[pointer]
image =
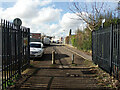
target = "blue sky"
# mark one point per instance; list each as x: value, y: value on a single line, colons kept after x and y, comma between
x: 45, y: 16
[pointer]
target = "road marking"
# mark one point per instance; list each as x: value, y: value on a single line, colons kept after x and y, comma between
x: 77, y: 54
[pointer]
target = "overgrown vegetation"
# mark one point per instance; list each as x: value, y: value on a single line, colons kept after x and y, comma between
x: 83, y: 39
x: 93, y: 18
x: 10, y: 82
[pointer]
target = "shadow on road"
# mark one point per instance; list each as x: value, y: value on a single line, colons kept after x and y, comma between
x: 48, y: 57
x: 52, y: 45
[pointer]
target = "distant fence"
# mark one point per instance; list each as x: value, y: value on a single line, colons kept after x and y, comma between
x: 14, y: 51
x: 105, y: 49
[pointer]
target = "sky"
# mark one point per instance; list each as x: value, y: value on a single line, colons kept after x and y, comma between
x: 49, y: 17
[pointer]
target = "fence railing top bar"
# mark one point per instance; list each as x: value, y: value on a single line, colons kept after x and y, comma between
x: 104, y: 29
x: 8, y: 23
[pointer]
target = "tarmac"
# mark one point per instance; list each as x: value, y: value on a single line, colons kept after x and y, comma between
x: 64, y: 75
x: 78, y: 52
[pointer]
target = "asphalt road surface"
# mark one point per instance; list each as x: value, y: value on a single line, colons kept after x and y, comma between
x: 81, y: 75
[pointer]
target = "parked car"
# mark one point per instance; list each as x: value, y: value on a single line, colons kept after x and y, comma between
x: 36, y: 49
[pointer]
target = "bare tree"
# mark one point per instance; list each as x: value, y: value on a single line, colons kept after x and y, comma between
x: 90, y: 13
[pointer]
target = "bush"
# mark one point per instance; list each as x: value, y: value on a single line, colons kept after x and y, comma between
x: 82, y: 40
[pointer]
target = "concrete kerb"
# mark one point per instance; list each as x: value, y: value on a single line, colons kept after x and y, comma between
x: 75, y: 52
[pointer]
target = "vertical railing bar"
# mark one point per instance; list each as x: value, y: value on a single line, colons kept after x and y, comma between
x: 9, y: 36
x: 12, y: 44
x: 103, y: 40
x: 19, y: 50
x: 10, y: 48
x: 97, y: 46
x: 117, y: 50
x: 23, y: 46
x: 11, y: 51
x: 8, y: 52
x: 15, y: 50
x: 111, y: 47
x: 92, y: 46
x: 113, y: 60
x: 2, y: 26
x: 25, y: 59
x: 13, y: 47
x: 4, y: 56
x: 24, y: 31
x: 7, y: 30
x: 22, y: 59
x: 28, y: 46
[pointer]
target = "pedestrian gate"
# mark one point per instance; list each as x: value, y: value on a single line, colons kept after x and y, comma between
x: 105, y: 49
x: 14, y: 52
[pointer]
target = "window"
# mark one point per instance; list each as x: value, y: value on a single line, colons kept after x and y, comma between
x: 35, y: 45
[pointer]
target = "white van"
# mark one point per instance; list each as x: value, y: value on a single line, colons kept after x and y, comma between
x: 46, y: 41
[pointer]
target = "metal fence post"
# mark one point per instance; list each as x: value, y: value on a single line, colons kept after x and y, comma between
x: 118, y: 73
x: 92, y: 45
x: 17, y: 22
x: 28, y: 45
x: 1, y: 80
x: 111, y: 48
x: 117, y: 50
x: 19, y: 49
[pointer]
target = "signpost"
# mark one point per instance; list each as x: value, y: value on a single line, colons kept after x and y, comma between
x: 17, y: 22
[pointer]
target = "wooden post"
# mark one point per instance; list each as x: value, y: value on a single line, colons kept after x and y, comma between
x: 72, y: 58
x: 53, y: 57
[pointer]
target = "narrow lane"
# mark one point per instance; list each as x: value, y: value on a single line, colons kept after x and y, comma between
x: 42, y: 75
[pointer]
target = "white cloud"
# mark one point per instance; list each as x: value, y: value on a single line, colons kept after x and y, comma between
x: 32, y: 14
x: 54, y: 26
x: 24, y: 9
x: 41, y: 19
x: 47, y: 15
x: 45, y: 2
x: 71, y: 21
